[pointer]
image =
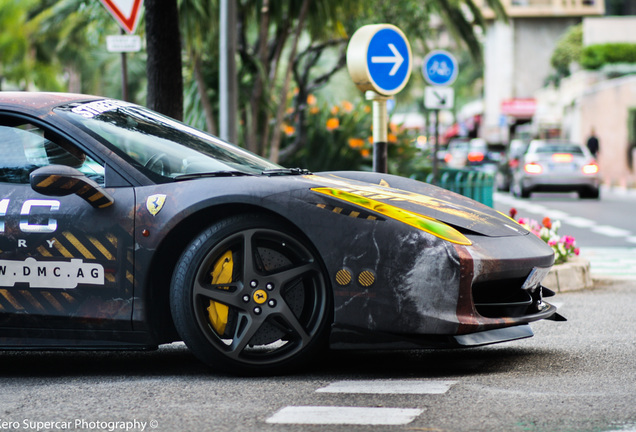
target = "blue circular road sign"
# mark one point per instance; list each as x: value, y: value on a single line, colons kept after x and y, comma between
x: 379, y: 59
x: 440, y: 68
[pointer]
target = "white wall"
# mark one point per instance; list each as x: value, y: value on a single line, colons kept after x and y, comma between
x: 609, y: 29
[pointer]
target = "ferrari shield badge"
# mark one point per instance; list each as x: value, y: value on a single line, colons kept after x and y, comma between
x: 154, y: 203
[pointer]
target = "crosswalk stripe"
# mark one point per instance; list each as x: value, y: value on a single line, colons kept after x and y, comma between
x: 610, y: 231
x: 344, y: 415
x: 611, y: 261
x: 388, y: 387
x: 363, y: 415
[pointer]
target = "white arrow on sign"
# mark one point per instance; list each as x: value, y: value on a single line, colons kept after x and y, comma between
x: 396, y: 59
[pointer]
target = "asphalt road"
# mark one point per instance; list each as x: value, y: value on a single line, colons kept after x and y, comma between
x: 607, y: 222
x: 577, y: 375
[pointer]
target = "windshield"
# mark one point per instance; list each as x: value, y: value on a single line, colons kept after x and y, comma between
x: 557, y: 147
x: 160, y: 145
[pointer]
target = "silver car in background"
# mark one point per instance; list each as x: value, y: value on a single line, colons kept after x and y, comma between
x: 556, y: 166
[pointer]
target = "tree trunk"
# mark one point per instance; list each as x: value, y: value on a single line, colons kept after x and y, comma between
x: 252, y: 141
x: 275, y: 142
x: 202, y: 90
x: 163, y: 68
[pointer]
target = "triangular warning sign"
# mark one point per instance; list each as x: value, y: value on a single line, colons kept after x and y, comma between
x: 126, y: 12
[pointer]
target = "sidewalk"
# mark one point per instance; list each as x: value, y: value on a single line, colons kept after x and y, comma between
x: 579, y: 274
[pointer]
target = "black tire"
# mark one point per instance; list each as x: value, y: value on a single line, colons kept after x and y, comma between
x: 269, y: 309
x: 519, y: 191
x: 591, y: 193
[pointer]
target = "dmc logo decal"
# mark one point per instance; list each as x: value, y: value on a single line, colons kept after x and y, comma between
x: 50, y: 274
x: 154, y: 203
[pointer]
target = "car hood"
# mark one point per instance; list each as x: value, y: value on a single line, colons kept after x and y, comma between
x: 416, y: 197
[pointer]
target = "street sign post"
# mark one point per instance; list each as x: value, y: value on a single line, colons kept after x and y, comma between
x: 123, y: 43
x: 440, y: 70
x: 379, y: 61
x: 125, y: 12
x: 439, y: 97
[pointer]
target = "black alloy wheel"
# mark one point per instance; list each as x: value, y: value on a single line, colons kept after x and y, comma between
x: 249, y: 296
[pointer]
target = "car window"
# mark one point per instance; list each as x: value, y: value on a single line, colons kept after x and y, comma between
x: 159, y: 146
x: 560, y: 148
x: 26, y: 147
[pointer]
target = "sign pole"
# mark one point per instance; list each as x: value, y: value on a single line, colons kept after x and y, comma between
x: 380, y: 131
x: 436, y: 149
x: 440, y: 70
x: 124, y: 75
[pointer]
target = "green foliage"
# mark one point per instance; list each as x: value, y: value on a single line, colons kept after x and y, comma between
x: 339, y: 137
x: 595, y: 56
x: 45, y: 42
x: 568, y: 50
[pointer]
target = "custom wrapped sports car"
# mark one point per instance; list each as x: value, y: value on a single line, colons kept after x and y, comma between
x: 121, y: 228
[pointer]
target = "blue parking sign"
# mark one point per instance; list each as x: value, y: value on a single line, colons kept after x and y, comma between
x: 440, y: 68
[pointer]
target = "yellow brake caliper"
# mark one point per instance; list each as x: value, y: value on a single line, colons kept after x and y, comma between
x: 221, y: 273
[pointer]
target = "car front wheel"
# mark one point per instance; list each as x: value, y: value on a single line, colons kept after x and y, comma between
x: 249, y: 296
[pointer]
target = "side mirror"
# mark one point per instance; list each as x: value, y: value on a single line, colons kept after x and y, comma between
x: 60, y: 180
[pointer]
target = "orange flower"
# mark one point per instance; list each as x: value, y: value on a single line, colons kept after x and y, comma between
x: 356, y: 142
x: 311, y: 100
x: 367, y: 109
x: 547, y: 222
x: 335, y: 109
x: 365, y: 153
x: 289, y: 129
x: 333, y: 123
x: 392, y: 138
x: 314, y: 110
x: 347, y: 106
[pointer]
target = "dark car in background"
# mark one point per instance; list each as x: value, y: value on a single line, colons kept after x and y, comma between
x: 508, y: 163
x: 472, y: 153
x: 556, y: 166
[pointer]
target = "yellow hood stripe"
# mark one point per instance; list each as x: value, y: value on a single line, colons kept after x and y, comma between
x: 421, y: 222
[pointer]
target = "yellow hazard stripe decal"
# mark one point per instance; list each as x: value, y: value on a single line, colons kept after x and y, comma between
x: 416, y: 220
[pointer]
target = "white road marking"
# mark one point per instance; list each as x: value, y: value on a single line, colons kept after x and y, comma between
x: 619, y: 262
x: 565, y: 218
x: 557, y: 214
x: 580, y: 222
x: 344, y: 415
x: 388, y: 387
x: 610, y: 231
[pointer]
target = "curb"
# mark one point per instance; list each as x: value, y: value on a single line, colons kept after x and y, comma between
x: 573, y: 275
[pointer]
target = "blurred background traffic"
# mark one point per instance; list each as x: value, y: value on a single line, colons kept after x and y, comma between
x: 528, y: 70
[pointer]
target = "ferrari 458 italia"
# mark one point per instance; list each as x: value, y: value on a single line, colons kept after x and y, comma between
x: 121, y: 228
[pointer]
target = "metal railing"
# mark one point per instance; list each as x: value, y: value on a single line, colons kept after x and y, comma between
x: 472, y: 184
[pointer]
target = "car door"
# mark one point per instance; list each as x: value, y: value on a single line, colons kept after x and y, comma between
x: 66, y: 262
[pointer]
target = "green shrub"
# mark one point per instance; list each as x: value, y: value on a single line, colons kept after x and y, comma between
x: 596, y: 56
x: 339, y: 137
